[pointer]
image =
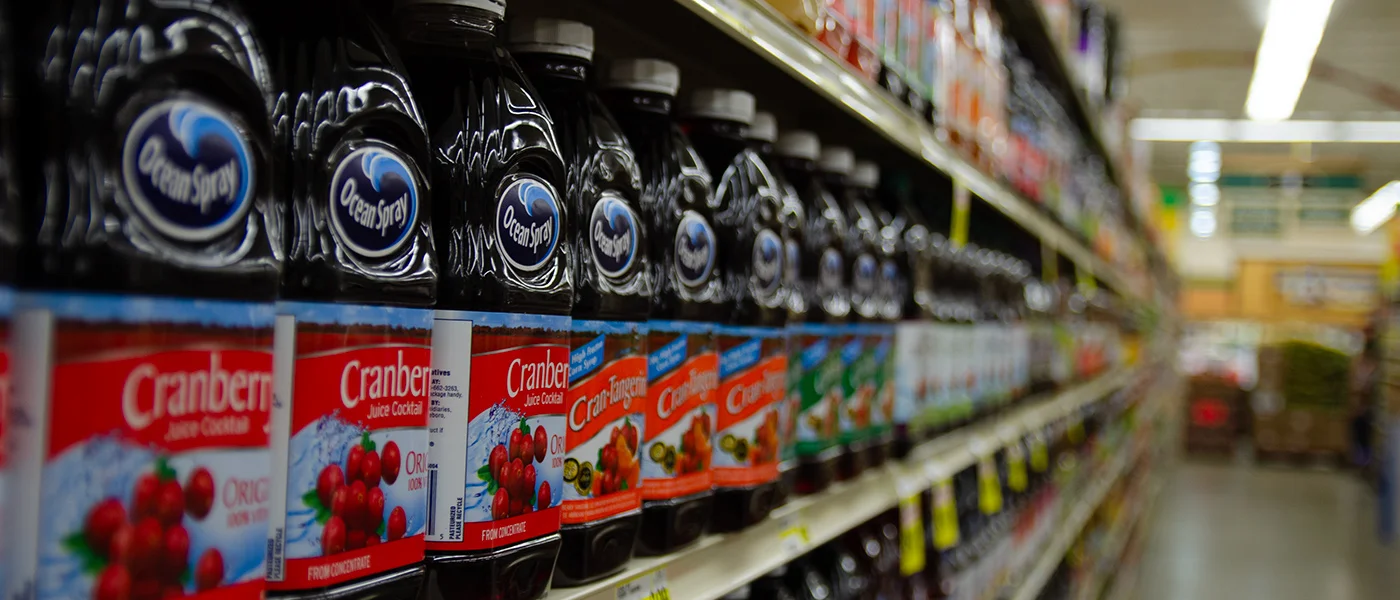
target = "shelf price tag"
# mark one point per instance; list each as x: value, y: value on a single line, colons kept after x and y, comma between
x: 962, y: 208
x: 647, y: 586
x: 1016, y: 477
x: 911, y: 535
x: 793, y: 537
x: 945, y: 516
x: 988, y: 486
x: 1075, y: 431
x: 1049, y: 263
x: 1040, y: 455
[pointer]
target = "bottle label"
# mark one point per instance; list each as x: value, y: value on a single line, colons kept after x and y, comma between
x: 613, y: 231
x: 857, y: 382
x: 882, y: 402
x: 187, y: 169
x: 753, y: 369
x: 373, y: 200
x: 495, y: 428
x: 682, y: 381
x: 817, y: 369
x: 910, y: 363
x: 141, y: 446
x: 349, y: 442
x: 767, y: 261
x: 606, y: 408
x: 791, y: 406
x: 527, y: 222
x: 696, y: 247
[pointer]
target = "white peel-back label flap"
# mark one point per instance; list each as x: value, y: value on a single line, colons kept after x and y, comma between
x: 447, y: 425
x: 284, y: 350
x: 28, y: 428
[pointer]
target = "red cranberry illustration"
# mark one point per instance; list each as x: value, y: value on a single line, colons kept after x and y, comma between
x: 119, y: 551
x: 113, y: 584
x: 629, y: 432
x: 541, y: 443
x: 369, y: 469
x: 608, y: 458
x: 199, y: 493
x: 516, y: 507
x: 172, y: 591
x: 527, y: 479
x: 103, y: 521
x: 515, y: 474
x: 145, y: 587
x: 176, y: 550
x: 374, y: 508
x: 355, y: 508
x: 398, y: 523
x: 543, y: 498
x: 146, y: 543
x: 612, y: 437
x: 389, y: 462
x: 333, y: 536
x: 143, y: 496
x: 170, y: 503
x: 500, y: 505
x: 372, y: 541
x: 340, y: 501
x: 330, y: 478
x: 355, y: 539
x: 527, y: 449
x: 499, y: 458
x: 353, y: 460
x: 517, y: 439
x: 209, y: 572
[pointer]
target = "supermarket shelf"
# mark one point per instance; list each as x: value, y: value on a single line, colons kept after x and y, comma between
x: 719, y: 563
x: 1125, y: 584
x: 768, y: 34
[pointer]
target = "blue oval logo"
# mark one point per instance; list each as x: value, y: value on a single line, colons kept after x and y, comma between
x: 889, y: 278
x: 612, y: 232
x: 695, y: 249
x: 792, y: 265
x: 374, y: 201
x: 829, y: 270
x: 863, y: 276
x: 188, y: 170
x: 527, y: 223
x: 768, y: 260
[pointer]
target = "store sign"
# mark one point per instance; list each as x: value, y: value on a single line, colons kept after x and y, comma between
x: 1332, y: 287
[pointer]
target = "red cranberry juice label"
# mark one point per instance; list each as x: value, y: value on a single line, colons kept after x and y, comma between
x: 142, y: 445
x: 791, y: 405
x: 607, y: 404
x: 682, y: 379
x: 752, y: 387
x: 495, y: 428
x: 816, y: 370
x: 349, y: 442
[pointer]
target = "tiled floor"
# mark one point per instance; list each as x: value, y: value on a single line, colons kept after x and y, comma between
x: 1237, y: 532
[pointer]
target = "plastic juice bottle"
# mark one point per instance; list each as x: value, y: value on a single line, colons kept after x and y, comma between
x: 889, y: 278
x: 857, y: 342
x: 906, y: 240
x: 763, y: 134
x: 815, y: 341
x: 606, y: 403
x: 753, y: 351
x: 156, y: 327
x: 688, y: 299
x: 354, y: 320
x: 500, y: 357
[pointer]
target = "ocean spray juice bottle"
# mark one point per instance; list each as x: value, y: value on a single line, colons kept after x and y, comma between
x: 816, y: 367
x: 689, y: 297
x: 762, y: 134
x: 606, y: 404
x: 144, y: 386
x: 753, y: 354
x: 857, y: 343
x: 10, y: 190
x: 354, y: 320
x: 889, y: 278
x: 501, y: 331
x: 892, y: 422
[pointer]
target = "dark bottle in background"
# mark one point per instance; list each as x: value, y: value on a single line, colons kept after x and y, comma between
x: 879, y: 342
x: 505, y: 293
x: 689, y: 298
x: 602, y: 496
x: 753, y: 354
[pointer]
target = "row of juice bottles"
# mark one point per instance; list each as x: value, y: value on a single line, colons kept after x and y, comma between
x: 967, y: 537
x: 375, y: 300
x: 953, y: 62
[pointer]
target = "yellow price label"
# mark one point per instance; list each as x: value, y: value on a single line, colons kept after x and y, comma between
x: 647, y: 586
x: 1075, y: 431
x: 1040, y: 455
x: 962, y: 210
x: 945, y: 516
x: 794, y: 538
x: 988, y: 486
x: 911, y: 536
x: 1016, y: 477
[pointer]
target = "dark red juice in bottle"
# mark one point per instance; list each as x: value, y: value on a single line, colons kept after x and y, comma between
x: 762, y: 136
x: 753, y: 349
x: 500, y: 345
x: 815, y: 369
x: 355, y: 318
x: 909, y: 308
x: 606, y: 404
x: 875, y: 224
x: 688, y: 299
x: 143, y: 387
x: 858, y: 339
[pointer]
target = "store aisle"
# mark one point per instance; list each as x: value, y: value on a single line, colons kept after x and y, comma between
x: 1239, y: 532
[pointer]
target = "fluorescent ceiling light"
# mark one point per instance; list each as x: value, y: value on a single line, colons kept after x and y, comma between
x: 1204, y: 165
x: 1376, y: 210
x: 1203, y: 222
x: 1239, y: 130
x: 1205, y: 194
x: 1286, y: 52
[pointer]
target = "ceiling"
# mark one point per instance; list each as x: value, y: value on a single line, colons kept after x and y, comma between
x: 1194, y: 58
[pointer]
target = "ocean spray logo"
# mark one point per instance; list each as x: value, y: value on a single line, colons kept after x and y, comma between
x: 527, y: 224
x: 613, y: 235
x: 767, y: 260
x: 188, y: 170
x: 695, y: 249
x: 829, y: 270
x: 889, y: 279
x: 374, y: 201
x: 863, y: 276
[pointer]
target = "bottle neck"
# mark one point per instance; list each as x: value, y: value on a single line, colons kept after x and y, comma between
x: 638, y: 104
x: 444, y: 25
x: 764, y: 150
x: 555, y: 71
x: 718, y: 141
